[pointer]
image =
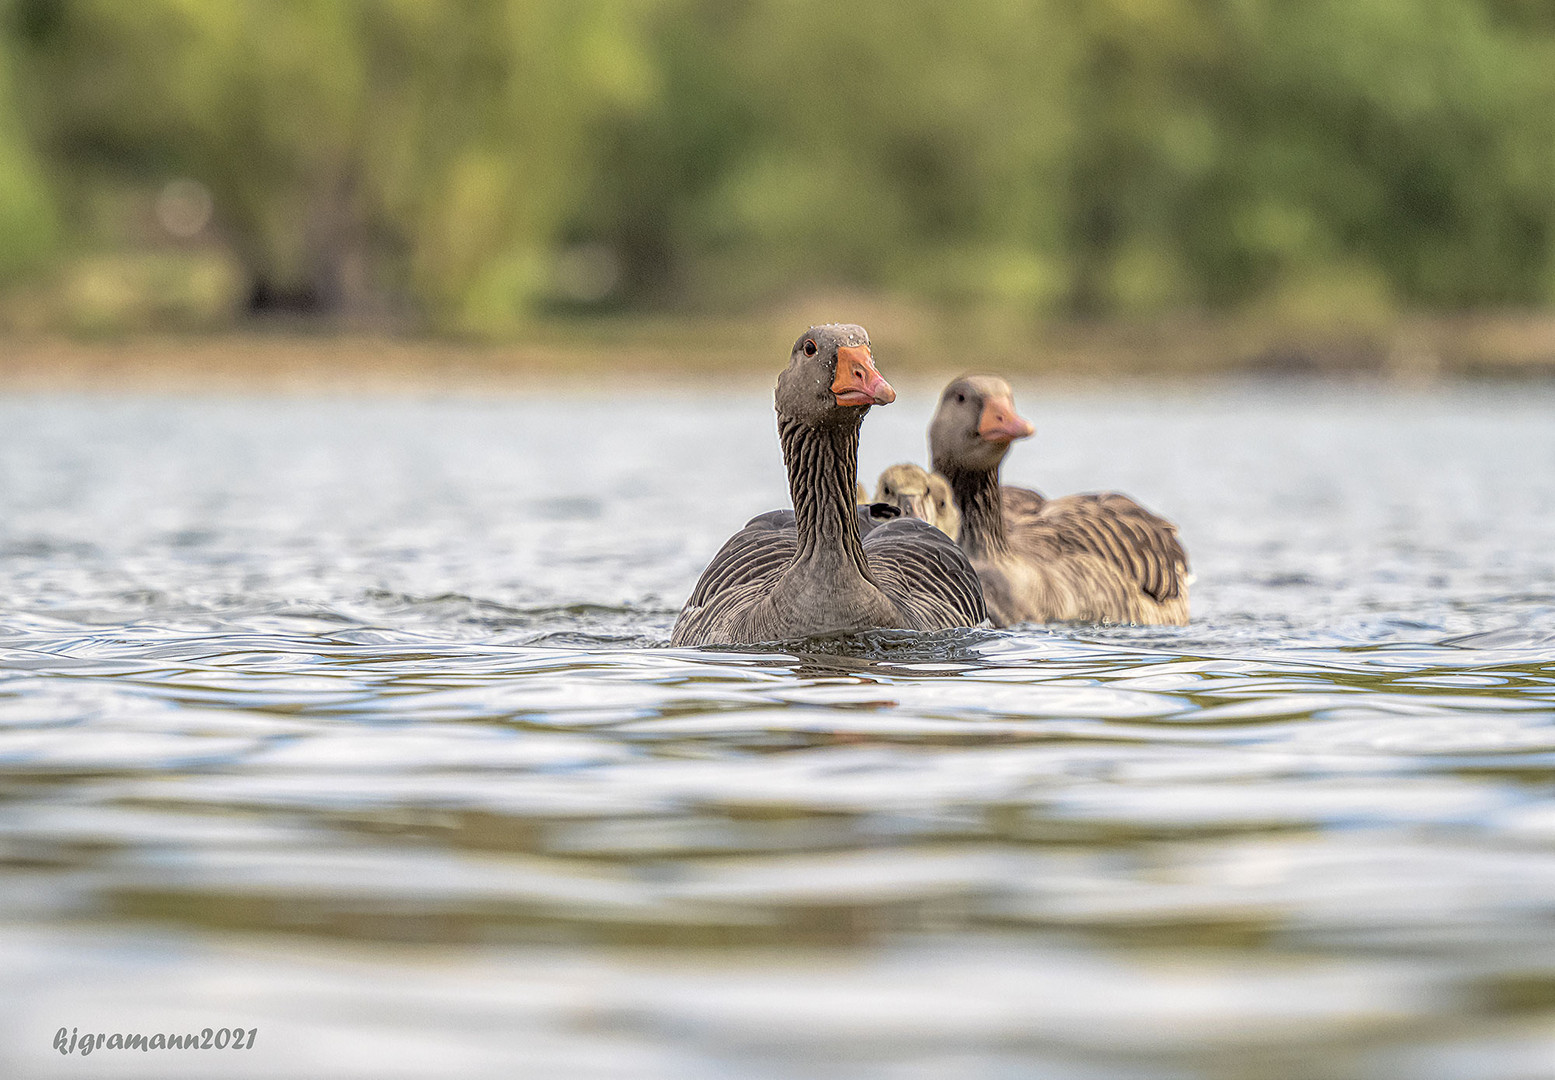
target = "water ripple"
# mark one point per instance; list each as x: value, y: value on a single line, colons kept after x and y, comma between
x: 403, y: 751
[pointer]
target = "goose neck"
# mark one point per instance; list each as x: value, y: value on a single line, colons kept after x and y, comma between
x: 822, y: 473
x: 982, y: 510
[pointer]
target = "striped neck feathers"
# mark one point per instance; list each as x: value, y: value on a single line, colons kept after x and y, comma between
x: 822, y: 474
x: 982, y: 510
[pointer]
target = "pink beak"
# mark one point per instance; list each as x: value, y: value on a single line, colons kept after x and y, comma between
x: 1000, y: 423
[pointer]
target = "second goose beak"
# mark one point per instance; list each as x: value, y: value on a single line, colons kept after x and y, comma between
x: 1000, y: 423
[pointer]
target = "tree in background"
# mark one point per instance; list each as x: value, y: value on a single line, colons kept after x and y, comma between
x: 359, y: 152
x: 1103, y: 158
x: 470, y: 161
x: 1403, y: 149
x: 28, y: 228
x: 895, y: 144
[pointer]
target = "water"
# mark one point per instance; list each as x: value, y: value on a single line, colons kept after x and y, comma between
x: 352, y: 721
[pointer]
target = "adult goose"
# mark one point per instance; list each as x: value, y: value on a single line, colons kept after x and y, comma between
x: 1095, y: 557
x: 809, y: 572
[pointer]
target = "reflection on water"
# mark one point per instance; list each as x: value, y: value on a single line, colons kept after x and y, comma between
x: 353, y: 722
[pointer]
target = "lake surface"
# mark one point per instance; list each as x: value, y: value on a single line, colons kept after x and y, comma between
x: 353, y: 722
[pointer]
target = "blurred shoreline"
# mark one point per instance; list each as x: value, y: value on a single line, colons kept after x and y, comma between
x: 626, y: 354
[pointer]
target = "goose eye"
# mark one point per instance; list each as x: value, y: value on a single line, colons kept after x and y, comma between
x: 809, y: 347
x: 960, y: 399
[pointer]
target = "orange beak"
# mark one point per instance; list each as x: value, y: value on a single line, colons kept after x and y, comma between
x: 1000, y: 423
x: 857, y: 381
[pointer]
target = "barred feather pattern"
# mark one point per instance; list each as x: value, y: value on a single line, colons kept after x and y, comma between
x: 1113, y: 527
x: 744, y: 571
x: 1093, y: 557
x: 926, y: 573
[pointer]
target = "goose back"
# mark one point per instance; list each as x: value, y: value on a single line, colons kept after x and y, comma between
x: 1085, y: 558
x: 927, y: 579
x: 1110, y: 526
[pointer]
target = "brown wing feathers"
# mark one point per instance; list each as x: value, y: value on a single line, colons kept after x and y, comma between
x: 924, y: 571
x: 1116, y: 528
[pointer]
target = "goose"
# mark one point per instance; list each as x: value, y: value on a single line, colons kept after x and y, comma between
x: 1094, y: 557
x: 918, y: 493
x: 808, y: 572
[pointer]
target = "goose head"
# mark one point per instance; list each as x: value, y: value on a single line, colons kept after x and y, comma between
x: 920, y: 494
x: 975, y: 424
x: 831, y: 378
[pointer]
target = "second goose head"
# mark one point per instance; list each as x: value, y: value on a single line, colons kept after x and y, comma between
x: 974, y: 425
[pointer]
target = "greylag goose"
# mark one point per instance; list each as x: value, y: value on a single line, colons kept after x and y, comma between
x: 1095, y: 557
x: 919, y: 493
x: 808, y: 572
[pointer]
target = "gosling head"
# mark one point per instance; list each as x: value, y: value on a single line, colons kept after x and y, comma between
x: 831, y: 378
x: 974, y: 425
x: 920, y: 494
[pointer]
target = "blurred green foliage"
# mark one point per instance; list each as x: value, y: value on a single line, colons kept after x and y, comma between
x: 472, y: 161
x: 28, y: 228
